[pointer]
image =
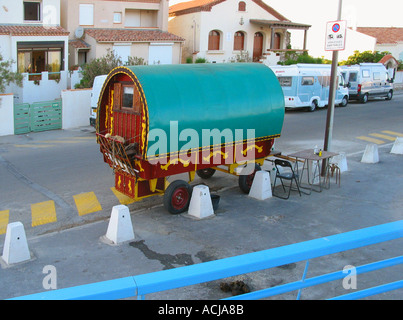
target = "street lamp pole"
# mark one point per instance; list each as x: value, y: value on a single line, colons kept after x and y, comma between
x: 332, y: 94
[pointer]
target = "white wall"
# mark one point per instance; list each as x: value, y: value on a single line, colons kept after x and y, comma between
x: 46, y: 90
x: 76, y: 108
x: 12, y: 12
x: 6, y: 114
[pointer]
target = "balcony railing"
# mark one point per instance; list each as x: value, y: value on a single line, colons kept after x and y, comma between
x: 141, y: 285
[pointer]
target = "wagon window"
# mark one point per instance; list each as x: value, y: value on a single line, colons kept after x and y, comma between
x: 126, y: 97
x: 365, y: 73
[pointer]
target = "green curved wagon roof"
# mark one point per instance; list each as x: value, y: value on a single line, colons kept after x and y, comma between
x: 212, y: 96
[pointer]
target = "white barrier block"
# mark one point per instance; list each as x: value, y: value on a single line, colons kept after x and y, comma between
x: 200, y: 204
x: 370, y: 154
x: 397, y: 146
x: 15, y: 244
x: 261, y: 186
x: 341, y: 161
x: 120, y: 228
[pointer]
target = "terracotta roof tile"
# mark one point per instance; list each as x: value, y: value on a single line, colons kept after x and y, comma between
x: 79, y: 44
x: 205, y: 5
x: 131, y: 35
x: 383, y: 35
x: 32, y: 30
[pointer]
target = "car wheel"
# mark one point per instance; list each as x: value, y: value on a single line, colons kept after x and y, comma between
x: 245, y: 181
x: 390, y: 95
x: 313, y: 106
x: 364, y: 98
x: 344, y: 102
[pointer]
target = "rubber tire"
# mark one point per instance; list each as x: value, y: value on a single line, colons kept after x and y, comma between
x: 245, y: 182
x: 390, y: 95
x: 364, y: 98
x: 344, y: 102
x: 181, y: 188
x: 205, y: 173
x: 313, y: 106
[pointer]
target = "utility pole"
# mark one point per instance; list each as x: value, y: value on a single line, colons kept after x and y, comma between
x: 332, y: 94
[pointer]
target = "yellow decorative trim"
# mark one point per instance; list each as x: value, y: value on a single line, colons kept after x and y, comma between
x: 259, y: 149
x: 175, y: 161
x: 213, y: 154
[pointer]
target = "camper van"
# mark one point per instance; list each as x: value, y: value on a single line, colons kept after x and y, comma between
x: 367, y: 80
x: 96, y: 90
x: 307, y: 85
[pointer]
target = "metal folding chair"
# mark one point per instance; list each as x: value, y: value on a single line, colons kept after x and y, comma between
x: 288, y: 175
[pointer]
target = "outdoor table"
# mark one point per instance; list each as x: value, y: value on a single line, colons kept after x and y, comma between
x: 309, y: 155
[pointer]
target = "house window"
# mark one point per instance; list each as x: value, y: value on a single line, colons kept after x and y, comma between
x: 35, y: 58
x: 32, y: 11
x: 86, y: 15
x: 239, y: 40
x: 214, y: 40
x: 241, y: 6
x: 117, y: 17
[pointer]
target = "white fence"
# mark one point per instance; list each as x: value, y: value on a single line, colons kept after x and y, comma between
x: 75, y: 110
x: 6, y: 114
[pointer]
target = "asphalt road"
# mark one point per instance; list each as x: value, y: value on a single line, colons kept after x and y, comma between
x: 57, y: 168
x: 51, y: 171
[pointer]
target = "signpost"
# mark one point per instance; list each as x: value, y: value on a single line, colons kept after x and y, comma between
x: 335, y: 41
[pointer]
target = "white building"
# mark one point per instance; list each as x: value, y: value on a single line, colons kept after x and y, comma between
x: 227, y: 30
x: 31, y: 36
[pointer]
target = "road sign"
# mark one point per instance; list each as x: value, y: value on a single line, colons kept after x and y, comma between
x: 335, y: 35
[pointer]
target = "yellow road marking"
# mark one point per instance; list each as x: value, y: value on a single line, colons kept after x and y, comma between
x: 383, y: 136
x: 123, y: 199
x: 4, y: 217
x: 43, y: 213
x: 397, y: 134
x: 33, y: 145
x: 87, y: 203
x: 60, y: 141
x: 373, y: 140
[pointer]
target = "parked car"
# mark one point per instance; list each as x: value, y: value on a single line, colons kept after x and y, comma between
x: 367, y: 80
x: 307, y: 85
x: 96, y: 91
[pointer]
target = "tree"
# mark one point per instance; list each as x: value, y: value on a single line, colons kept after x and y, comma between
x: 7, y: 76
x: 104, y: 65
x: 365, y: 56
x: 292, y: 57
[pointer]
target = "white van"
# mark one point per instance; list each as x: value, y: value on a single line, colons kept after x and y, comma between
x: 367, y: 80
x: 307, y: 85
x: 96, y: 91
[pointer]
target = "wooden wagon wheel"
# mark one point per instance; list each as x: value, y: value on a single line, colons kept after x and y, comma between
x: 177, y: 197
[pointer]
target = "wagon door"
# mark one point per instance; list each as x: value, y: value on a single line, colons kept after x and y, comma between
x: 127, y: 108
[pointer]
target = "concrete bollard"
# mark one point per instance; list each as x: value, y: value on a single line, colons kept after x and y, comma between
x: 341, y: 161
x: 200, y: 204
x: 397, y: 146
x: 15, y: 244
x: 370, y: 154
x: 120, y: 228
x: 261, y: 186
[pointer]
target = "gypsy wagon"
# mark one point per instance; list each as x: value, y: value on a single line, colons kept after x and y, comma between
x: 157, y: 121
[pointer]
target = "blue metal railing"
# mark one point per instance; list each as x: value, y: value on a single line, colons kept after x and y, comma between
x: 141, y: 285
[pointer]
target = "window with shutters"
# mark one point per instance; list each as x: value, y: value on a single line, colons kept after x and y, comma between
x: 241, y: 6
x: 126, y: 97
x: 214, y: 40
x: 239, y: 40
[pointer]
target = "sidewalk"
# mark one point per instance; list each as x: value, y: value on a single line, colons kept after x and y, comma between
x: 370, y: 194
